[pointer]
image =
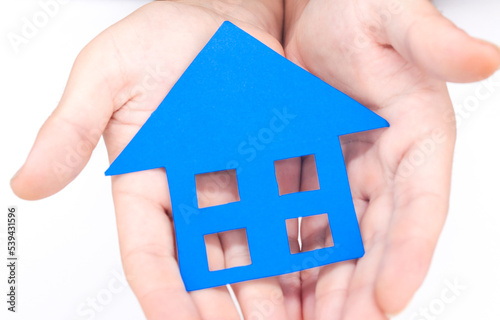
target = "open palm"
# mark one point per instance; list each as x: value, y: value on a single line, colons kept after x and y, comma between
x: 399, y: 176
x: 117, y: 81
x: 394, y: 57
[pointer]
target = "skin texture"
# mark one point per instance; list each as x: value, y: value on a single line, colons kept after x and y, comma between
x: 394, y: 57
x: 394, y: 63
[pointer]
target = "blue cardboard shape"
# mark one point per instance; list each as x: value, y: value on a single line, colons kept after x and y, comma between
x: 237, y: 89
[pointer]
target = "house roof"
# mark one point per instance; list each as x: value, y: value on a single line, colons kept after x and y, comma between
x: 238, y: 89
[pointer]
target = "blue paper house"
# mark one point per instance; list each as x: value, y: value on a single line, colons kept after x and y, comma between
x: 236, y: 92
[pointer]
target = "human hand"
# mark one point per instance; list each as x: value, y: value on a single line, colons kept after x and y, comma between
x: 393, y: 56
x: 116, y: 82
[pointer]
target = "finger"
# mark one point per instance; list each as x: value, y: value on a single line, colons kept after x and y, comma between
x: 360, y: 302
x: 313, y: 236
x: 420, y: 33
x: 421, y: 206
x: 265, y: 298
x: 288, y: 178
x: 215, y: 303
x: 331, y: 290
x: 291, y: 288
x: 66, y: 140
x: 213, y: 189
x: 334, y: 282
x: 259, y: 299
x: 421, y: 196
x: 290, y: 282
x: 147, y: 245
x: 367, y: 310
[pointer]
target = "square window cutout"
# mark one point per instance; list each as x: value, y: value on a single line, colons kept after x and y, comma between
x: 227, y: 249
x: 314, y: 233
x: 289, y: 174
x: 216, y: 188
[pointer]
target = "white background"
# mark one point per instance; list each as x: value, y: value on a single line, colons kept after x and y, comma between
x: 68, y: 245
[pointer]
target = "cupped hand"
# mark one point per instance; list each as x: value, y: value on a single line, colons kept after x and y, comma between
x: 393, y: 56
x: 117, y: 81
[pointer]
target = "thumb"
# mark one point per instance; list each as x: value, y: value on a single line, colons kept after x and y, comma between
x: 423, y: 36
x: 66, y: 140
